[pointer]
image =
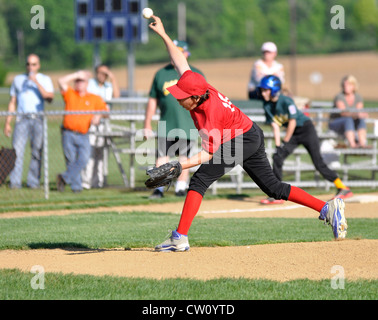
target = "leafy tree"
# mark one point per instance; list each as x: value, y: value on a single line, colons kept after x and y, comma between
x: 366, y: 14
x: 5, y: 45
x: 215, y: 29
x: 310, y: 25
x: 244, y: 27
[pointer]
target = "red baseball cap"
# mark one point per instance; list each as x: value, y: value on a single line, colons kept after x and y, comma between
x: 190, y: 84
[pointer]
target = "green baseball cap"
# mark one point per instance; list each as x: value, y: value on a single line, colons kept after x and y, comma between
x: 183, y: 45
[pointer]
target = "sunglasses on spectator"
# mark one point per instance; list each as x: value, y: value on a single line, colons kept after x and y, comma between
x: 31, y: 64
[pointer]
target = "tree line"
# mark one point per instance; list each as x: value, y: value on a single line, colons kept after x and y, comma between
x: 214, y: 29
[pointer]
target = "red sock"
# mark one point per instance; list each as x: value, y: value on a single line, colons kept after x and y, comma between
x: 300, y: 196
x: 191, y: 206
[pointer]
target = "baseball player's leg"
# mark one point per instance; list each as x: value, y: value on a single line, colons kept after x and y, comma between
x: 311, y: 142
x: 260, y: 171
x: 313, y: 149
x: 191, y: 206
x: 229, y: 155
x: 258, y: 168
x: 201, y: 180
x: 281, y: 154
x: 279, y: 157
x: 332, y: 211
x: 199, y: 183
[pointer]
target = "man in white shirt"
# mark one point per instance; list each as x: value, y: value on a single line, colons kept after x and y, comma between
x: 267, y: 65
x: 93, y: 174
x: 28, y: 92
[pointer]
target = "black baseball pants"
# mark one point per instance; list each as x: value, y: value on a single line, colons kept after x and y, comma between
x: 248, y: 150
x: 307, y: 136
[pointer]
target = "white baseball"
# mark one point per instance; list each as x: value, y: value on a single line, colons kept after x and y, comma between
x: 147, y: 13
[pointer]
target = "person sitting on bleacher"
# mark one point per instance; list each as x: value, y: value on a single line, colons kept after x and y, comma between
x: 349, y: 123
x: 281, y: 111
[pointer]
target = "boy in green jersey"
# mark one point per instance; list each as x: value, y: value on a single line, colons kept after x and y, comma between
x: 281, y: 111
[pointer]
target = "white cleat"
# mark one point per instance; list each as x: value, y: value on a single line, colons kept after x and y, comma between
x: 333, y: 213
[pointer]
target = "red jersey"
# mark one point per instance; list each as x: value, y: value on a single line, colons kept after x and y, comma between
x: 218, y: 121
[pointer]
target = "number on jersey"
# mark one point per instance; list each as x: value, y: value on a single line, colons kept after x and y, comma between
x: 226, y: 102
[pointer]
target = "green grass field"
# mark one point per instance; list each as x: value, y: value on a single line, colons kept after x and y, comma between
x: 142, y: 229
x: 15, y: 285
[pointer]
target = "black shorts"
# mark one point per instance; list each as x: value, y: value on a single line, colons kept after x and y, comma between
x: 174, y: 147
x: 305, y: 135
x: 247, y: 150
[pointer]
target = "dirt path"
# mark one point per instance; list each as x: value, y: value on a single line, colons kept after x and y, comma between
x: 281, y: 262
x: 224, y: 208
x: 231, y: 76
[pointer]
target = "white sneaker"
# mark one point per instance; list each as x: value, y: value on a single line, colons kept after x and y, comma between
x: 176, y: 242
x: 333, y: 213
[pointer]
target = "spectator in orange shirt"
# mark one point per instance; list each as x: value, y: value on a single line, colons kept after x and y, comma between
x: 75, y: 127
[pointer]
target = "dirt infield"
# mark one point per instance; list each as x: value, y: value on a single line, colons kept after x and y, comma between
x: 231, y: 76
x: 280, y: 262
x: 225, y: 208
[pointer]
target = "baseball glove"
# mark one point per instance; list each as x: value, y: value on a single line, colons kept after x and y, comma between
x: 163, y: 175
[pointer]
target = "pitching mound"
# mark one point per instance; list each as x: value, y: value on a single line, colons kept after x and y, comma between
x: 280, y: 262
